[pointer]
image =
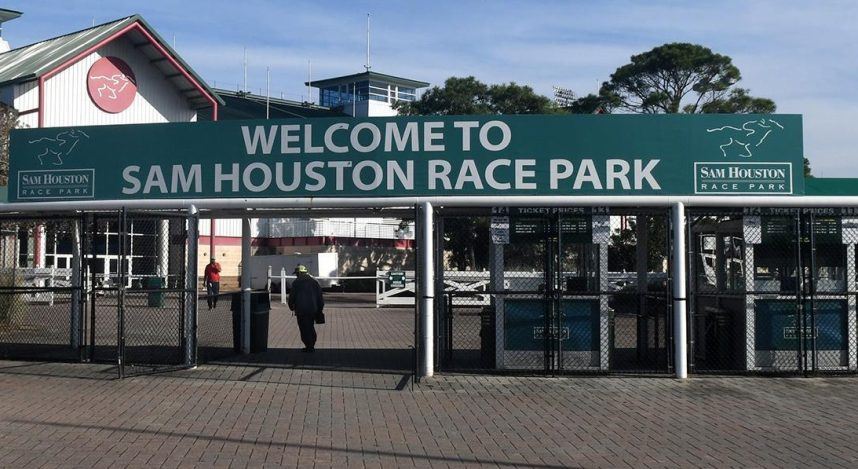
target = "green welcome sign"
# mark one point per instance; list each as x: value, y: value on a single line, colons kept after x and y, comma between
x: 412, y: 156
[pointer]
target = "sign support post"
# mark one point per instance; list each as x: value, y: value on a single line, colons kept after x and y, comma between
x: 680, y: 344
x: 427, y: 291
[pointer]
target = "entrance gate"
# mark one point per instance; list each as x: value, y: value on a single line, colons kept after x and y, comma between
x: 114, y: 287
x: 773, y: 290
x: 555, y: 291
x: 143, y: 300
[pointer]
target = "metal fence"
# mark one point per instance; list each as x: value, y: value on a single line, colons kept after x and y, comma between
x: 568, y: 291
x: 113, y: 287
x: 217, y: 326
x: 40, y: 296
x: 773, y: 290
x: 156, y: 293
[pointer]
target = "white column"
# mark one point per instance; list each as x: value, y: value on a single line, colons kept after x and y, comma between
x: 76, y: 263
x: 39, y: 247
x: 163, y: 248
x: 245, y: 285
x: 680, y: 339
x: 190, y: 281
x: 427, y: 291
x: 283, y: 296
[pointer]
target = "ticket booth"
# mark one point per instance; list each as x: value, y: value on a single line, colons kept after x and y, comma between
x: 549, y: 273
x: 798, y: 307
x: 771, y: 291
x: 562, y: 306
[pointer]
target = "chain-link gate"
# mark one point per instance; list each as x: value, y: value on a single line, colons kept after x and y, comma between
x: 143, y: 300
x: 556, y: 290
x: 773, y: 290
x: 101, y: 269
x: 218, y: 326
x: 40, y: 287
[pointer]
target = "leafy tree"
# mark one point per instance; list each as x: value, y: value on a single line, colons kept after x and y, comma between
x: 471, y: 96
x: 671, y: 78
x: 590, y: 104
x: 8, y: 121
x: 807, y: 171
x: 738, y: 101
x: 680, y: 77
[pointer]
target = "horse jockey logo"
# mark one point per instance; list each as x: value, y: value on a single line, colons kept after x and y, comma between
x: 741, y: 141
x: 111, y: 84
x: 54, y: 150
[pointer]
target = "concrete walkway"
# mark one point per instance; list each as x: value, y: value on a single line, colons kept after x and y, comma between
x: 74, y: 415
x: 352, y: 404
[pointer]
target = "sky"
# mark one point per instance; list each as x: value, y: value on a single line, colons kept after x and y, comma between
x: 803, y: 55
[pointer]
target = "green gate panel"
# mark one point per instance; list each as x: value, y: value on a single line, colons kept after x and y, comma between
x: 776, y: 324
x: 524, y: 324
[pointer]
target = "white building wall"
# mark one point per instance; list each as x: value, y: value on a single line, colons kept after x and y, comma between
x: 369, y: 228
x: 232, y: 227
x: 370, y: 108
x: 67, y: 101
x: 26, y: 98
x: 28, y: 121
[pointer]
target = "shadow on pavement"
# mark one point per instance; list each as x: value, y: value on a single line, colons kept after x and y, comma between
x: 90, y: 371
x: 384, y: 360
x: 332, y: 448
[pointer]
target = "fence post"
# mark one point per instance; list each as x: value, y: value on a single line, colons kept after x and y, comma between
x: 190, y: 283
x: 283, y: 296
x: 377, y: 287
x: 245, y: 285
x: 76, y: 284
x: 52, y: 282
x: 680, y: 343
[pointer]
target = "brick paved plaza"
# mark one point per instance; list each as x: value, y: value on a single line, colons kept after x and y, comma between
x: 332, y: 409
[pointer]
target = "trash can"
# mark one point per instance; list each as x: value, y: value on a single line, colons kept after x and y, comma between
x: 260, y: 307
x: 155, y: 298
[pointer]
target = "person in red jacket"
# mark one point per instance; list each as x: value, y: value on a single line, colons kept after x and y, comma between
x: 212, y: 280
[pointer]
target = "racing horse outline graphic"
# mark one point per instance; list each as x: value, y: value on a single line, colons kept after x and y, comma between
x: 108, y: 87
x: 58, y: 147
x: 752, y: 134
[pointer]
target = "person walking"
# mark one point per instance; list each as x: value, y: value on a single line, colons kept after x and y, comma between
x: 305, y: 299
x: 212, y: 281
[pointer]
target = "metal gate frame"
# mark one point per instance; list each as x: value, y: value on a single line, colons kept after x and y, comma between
x: 140, y: 356
x: 418, y: 311
x: 559, y: 296
x: 806, y: 294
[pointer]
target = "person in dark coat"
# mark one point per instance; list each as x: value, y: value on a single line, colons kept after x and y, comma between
x: 305, y: 299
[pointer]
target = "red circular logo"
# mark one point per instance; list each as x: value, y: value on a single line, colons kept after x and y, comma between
x: 111, y: 84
